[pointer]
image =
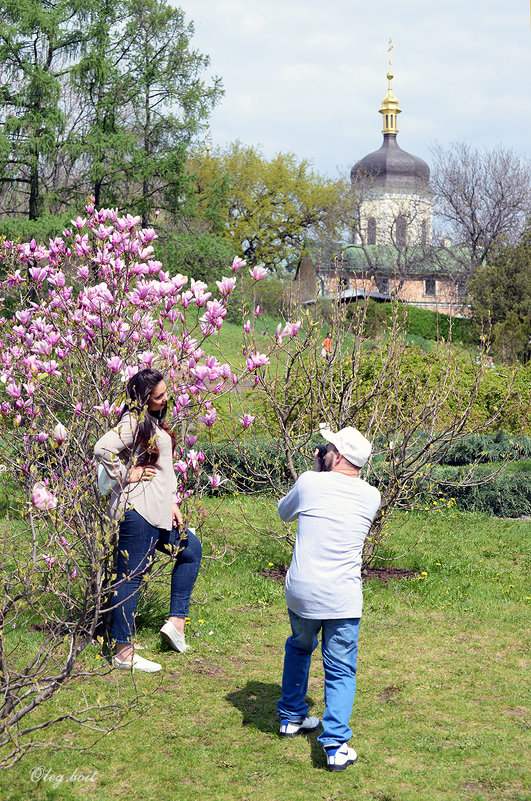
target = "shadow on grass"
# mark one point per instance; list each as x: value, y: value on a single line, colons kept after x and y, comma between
x: 257, y: 702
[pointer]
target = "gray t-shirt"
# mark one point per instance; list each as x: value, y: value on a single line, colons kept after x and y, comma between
x: 335, y: 513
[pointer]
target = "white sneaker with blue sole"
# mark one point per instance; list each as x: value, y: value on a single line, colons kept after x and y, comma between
x: 289, y: 729
x: 340, y: 758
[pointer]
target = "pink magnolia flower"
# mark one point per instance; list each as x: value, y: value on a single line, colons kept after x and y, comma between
x: 190, y: 440
x: 292, y: 329
x: 41, y: 437
x: 198, y: 289
x: 257, y: 273
x: 105, y: 408
x: 238, y: 263
x: 38, y: 273
x: 13, y: 389
x: 49, y: 559
x: 24, y: 316
x: 209, y: 418
x: 226, y: 285
x: 247, y: 326
x: 74, y: 573
x: 246, y: 420
x: 145, y: 359
x: 215, y: 313
x: 63, y: 541
x: 215, y: 480
x: 256, y: 360
x: 42, y: 498
x: 257, y: 311
x: 60, y: 433
x: 114, y: 364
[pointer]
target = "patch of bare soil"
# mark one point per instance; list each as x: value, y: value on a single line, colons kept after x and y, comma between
x: 387, y: 573
x: 381, y: 573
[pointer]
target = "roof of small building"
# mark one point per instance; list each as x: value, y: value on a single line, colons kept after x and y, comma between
x: 412, y: 261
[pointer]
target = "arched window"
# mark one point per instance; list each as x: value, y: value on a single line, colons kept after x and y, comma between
x: 400, y: 231
x: 371, y: 231
x: 424, y: 233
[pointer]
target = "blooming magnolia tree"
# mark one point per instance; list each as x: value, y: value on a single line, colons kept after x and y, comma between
x: 88, y: 311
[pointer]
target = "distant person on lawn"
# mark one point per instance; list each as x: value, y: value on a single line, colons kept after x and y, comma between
x: 138, y: 454
x: 335, y: 509
x: 326, y: 349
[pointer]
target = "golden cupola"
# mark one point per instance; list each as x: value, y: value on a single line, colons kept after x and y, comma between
x: 389, y: 109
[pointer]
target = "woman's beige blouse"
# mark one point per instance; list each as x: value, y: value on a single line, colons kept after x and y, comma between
x: 152, y: 499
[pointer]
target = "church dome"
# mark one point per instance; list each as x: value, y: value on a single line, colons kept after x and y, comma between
x: 392, y: 167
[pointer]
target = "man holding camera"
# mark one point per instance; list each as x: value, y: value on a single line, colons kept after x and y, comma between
x: 335, y: 509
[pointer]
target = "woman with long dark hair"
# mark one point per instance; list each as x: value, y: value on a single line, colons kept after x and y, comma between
x: 138, y: 453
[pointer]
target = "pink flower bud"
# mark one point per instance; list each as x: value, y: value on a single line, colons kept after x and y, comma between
x: 60, y: 433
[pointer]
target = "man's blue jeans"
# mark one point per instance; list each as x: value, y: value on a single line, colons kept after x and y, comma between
x: 340, y: 649
x: 137, y: 542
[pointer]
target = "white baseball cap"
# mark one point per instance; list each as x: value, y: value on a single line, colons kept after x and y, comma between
x: 350, y: 443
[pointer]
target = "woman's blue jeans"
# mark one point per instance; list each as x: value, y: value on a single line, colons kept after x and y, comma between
x: 340, y: 649
x: 137, y: 542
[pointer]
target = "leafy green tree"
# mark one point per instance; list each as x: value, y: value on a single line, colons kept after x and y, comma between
x: 500, y: 293
x: 169, y: 99
x: 37, y: 42
x: 103, y: 140
x: 269, y: 207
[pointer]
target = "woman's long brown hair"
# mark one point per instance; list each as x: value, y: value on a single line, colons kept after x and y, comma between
x: 138, y: 390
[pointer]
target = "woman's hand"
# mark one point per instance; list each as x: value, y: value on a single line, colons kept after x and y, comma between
x: 176, y: 516
x: 141, y: 474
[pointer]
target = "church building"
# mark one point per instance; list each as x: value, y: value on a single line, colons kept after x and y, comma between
x: 391, y: 251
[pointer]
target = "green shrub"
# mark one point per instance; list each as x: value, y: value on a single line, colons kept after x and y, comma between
x: 205, y: 256
x: 45, y: 228
x: 252, y: 467
x: 425, y: 323
x: 508, y: 495
x: 488, y: 448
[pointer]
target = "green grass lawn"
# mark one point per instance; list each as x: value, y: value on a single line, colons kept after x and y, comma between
x: 440, y: 710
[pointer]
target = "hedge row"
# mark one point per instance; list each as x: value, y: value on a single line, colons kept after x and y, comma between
x: 427, y: 324
x: 508, y: 495
x: 262, y: 466
x: 495, y: 448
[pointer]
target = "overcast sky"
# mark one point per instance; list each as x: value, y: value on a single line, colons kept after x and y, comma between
x: 308, y: 76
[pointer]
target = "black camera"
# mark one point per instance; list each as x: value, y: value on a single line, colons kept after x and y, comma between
x: 322, y: 450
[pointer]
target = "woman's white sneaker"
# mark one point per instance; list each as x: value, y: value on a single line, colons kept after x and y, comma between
x: 173, y: 637
x: 341, y: 758
x: 137, y: 663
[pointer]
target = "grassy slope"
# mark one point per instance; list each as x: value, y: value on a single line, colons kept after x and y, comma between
x: 439, y: 712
